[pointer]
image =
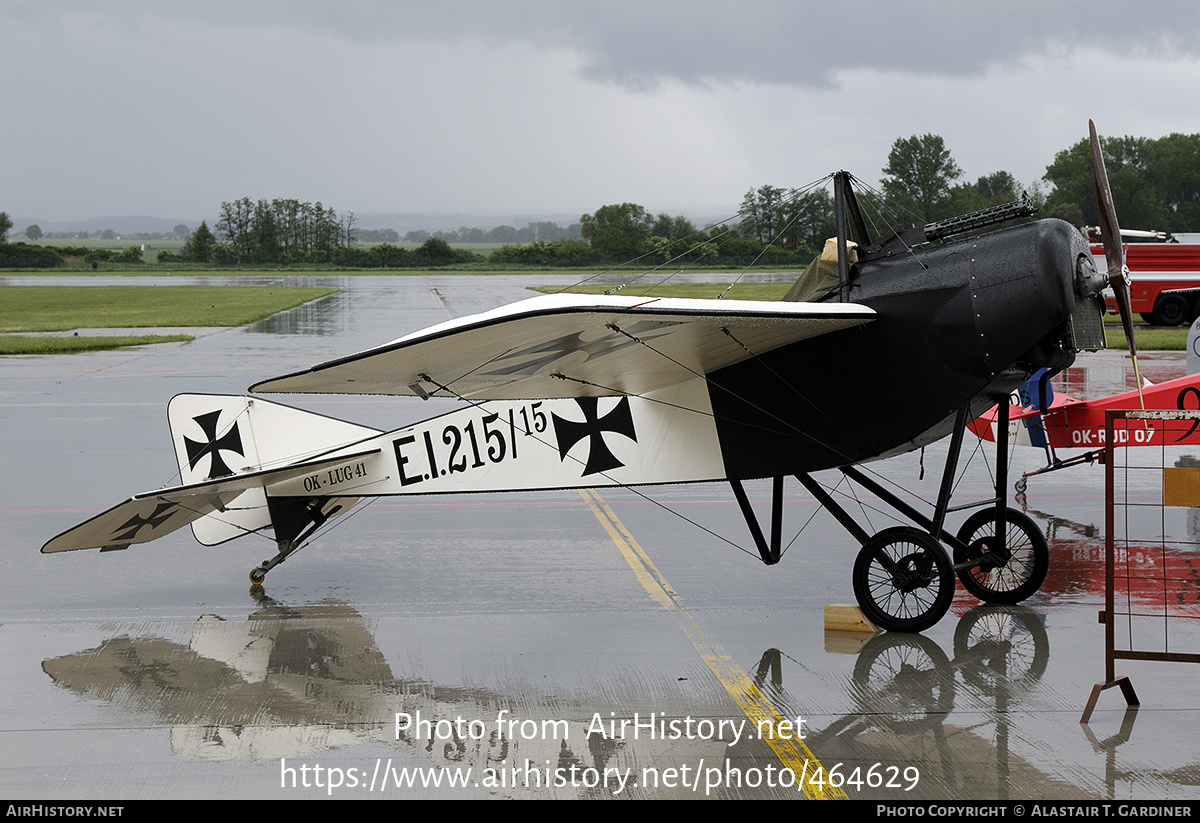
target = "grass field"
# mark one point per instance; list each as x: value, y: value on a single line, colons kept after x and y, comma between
x: 62, y: 308
x: 1149, y: 339
x: 20, y: 344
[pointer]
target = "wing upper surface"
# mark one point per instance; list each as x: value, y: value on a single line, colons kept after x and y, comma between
x: 568, y: 345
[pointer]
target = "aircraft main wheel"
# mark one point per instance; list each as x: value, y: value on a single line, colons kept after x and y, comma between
x: 1002, y: 576
x: 257, y: 576
x: 903, y: 580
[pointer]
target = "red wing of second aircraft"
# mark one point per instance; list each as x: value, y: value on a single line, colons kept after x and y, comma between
x: 1079, y: 424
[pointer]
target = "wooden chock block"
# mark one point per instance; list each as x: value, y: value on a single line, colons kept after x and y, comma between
x: 844, y: 618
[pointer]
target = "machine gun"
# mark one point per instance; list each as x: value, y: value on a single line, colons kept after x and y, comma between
x: 898, y: 241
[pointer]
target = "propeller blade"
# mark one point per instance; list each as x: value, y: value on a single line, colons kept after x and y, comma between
x: 1114, y: 252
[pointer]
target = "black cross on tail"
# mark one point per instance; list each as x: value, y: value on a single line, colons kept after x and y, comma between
x: 230, y: 441
x: 600, y: 457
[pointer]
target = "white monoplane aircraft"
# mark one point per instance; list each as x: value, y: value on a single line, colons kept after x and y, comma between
x: 570, y: 391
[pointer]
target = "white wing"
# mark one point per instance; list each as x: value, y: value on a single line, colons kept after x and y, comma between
x: 569, y: 345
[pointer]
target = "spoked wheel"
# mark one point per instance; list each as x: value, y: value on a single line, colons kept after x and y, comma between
x: 1001, y: 645
x: 904, y: 681
x: 903, y: 580
x: 1004, y: 574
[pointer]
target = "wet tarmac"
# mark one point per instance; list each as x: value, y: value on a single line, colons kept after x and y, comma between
x: 503, y: 629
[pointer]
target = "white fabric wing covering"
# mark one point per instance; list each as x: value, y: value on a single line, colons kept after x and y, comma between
x: 569, y: 345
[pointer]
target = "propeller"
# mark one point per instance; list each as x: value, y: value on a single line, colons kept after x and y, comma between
x: 1114, y: 252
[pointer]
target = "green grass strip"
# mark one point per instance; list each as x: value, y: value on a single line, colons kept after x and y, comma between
x: 61, y: 308
x: 741, y: 291
x: 1154, y: 339
x: 20, y: 344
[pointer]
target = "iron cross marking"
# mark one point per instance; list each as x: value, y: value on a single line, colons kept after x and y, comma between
x: 600, y: 457
x: 129, y: 529
x: 231, y: 441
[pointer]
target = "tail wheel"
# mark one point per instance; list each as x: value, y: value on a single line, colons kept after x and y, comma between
x: 1007, y: 574
x: 257, y: 576
x: 903, y: 580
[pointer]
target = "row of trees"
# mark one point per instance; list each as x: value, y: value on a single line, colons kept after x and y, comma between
x: 793, y: 219
x: 282, y: 231
x: 23, y: 255
x: 1155, y: 182
x: 919, y: 183
x: 542, y: 231
x: 286, y: 231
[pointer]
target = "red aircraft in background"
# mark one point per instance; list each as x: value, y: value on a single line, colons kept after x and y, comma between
x: 1039, y: 418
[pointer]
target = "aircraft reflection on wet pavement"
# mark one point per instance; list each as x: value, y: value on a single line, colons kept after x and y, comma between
x: 296, y: 682
x: 292, y: 682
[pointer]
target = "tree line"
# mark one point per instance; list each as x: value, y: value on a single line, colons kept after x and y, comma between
x: 288, y: 231
x: 27, y: 256
x: 1155, y: 182
x: 1155, y: 185
x: 541, y: 231
x: 279, y: 231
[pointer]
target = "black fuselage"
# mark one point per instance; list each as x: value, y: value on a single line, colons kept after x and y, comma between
x: 960, y: 323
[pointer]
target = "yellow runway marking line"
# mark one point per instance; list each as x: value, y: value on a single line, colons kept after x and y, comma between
x: 441, y: 302
x: 793, y: 754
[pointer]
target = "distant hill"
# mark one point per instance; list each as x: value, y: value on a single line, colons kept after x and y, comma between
x: 126, y: 224
x: 401, y: 222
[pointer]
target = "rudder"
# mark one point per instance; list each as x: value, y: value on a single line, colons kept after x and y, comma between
x: 218, y: 436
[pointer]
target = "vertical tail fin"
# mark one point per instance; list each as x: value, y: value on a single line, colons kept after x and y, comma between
x: 222, y: 435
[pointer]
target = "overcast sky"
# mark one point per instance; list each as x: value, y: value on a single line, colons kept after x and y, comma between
x: 167, y: 109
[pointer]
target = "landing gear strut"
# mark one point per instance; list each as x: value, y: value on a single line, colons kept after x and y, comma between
x: 259, y: 572
x: 903, y: 576
x: 294, y: 520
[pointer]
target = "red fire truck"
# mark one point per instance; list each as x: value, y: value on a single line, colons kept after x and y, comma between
x: 1165, y: 276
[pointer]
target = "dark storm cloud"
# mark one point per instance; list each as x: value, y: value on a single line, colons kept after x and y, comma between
x: 637, y: 44
x: 537, y: 107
